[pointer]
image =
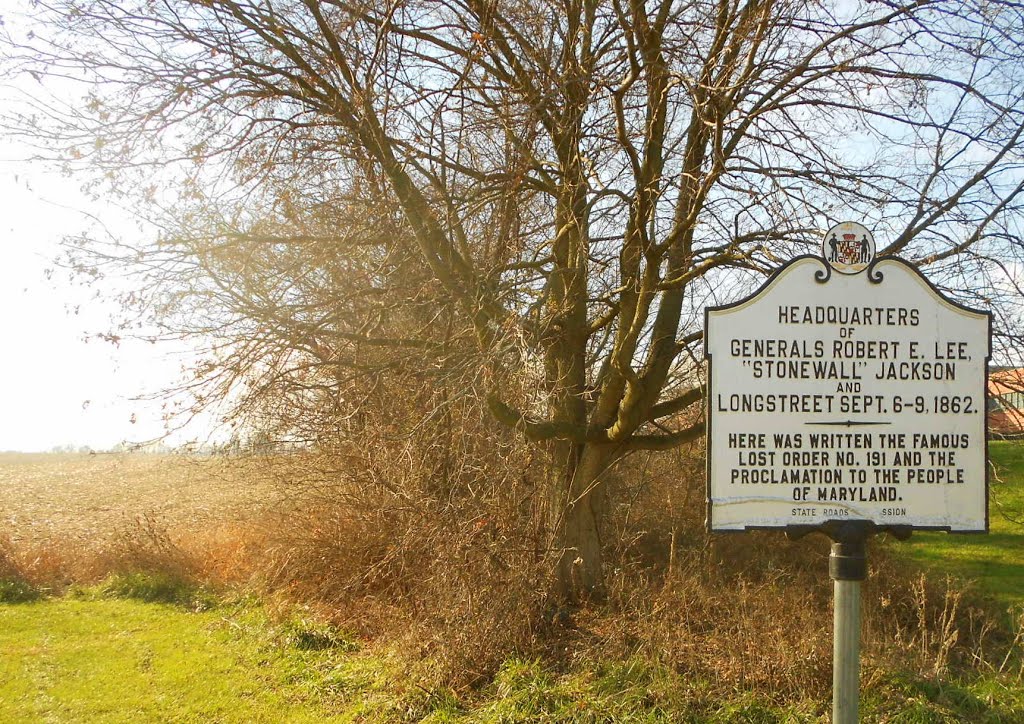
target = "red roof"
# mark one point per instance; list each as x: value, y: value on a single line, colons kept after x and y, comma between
x: 1006, y: 414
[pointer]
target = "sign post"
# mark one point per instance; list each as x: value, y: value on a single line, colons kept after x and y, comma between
x: 847, y: 396
x: 847, y: 567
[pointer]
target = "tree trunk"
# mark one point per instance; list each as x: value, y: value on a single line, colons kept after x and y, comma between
x: 577, y: 514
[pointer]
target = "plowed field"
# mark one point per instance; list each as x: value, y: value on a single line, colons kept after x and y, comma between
x: 70, y: 497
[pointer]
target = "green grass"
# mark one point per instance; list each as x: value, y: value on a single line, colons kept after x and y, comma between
x: 634, y: 691
x: 121, y: 660
x: 154, y: 588
x: 17, y: 591
x: 995, y: 562
x: 904, y: 699
x: 637, y: 691
x: 142, y: 647
x: 88, y: 657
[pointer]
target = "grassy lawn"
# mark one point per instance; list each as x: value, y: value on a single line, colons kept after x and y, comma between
x: 102, y: 659
x: 111, y: 660
x: 994, y: 561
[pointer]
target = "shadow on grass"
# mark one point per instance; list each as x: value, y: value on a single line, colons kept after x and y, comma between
x: 908, y: 698
x: 311, y: 635
x: 18, y: 591
x: 152, y: 588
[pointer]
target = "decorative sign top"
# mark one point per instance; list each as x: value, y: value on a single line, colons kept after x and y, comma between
x: 849, y: 247
x: 847, y: 397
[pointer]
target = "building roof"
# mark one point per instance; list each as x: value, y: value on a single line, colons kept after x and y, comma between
x: 1004, y: 380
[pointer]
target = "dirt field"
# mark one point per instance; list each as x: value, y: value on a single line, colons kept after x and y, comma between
x: 89, y: 497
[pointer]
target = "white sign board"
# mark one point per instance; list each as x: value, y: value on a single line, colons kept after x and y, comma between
x: 846, y: 394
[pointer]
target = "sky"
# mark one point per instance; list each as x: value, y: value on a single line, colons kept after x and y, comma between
x: 57, y: 386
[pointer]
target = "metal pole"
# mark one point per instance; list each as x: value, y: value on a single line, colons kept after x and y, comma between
x: 847, y: 566
x: 846, y: 652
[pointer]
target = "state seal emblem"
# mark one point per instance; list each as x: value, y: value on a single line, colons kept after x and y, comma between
x: 848, y: 247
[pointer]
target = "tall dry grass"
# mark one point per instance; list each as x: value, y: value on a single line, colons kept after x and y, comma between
x: 432, y: 541
x: 429, y: 539
x: 78, y: 519
x: 444, y: 554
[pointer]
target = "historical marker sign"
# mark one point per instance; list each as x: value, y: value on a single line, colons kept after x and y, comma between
x: 847, y: 389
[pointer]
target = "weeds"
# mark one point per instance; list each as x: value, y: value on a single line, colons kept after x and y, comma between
x: 311, y: 634
x: 443, y: 556
x: 1015, y: 651
x: 17, y: 591
x: 157, y: 588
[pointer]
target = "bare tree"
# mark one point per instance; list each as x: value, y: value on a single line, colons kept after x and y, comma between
x: 575, y: 179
